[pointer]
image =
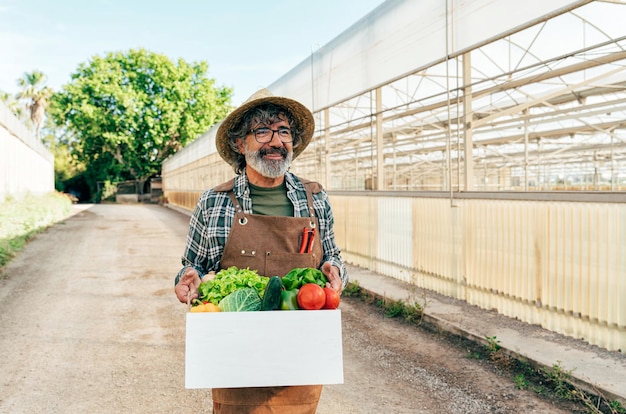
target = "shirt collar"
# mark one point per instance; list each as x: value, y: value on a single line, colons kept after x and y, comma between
x: 242, y: 188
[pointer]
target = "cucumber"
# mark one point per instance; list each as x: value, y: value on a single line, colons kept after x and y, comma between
x: 271, y: 297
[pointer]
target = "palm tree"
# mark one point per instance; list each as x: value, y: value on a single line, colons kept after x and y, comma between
x: 14, y: 106
x: 37, y: 94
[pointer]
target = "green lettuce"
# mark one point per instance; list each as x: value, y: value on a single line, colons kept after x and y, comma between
x: 229, y: 280
x: 302, y: 275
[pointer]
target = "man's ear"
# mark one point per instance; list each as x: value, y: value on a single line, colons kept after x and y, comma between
x: 240, y: 146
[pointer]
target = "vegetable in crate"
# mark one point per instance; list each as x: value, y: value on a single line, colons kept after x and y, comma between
x: 289, y: 300
x: 241, y: 300
x: 332, y: 299
x: 311, y: 297
x: 272, y: 295
x: 205, y: 307
x: 229, y: 280
x: 299, y: 276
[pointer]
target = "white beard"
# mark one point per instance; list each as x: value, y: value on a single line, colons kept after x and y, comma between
x: 268, y: 168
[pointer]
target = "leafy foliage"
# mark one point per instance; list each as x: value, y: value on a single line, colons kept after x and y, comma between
x: 22, y: 219
x: 299, y: 276
x: 229, y: 280
x: 123, y: 114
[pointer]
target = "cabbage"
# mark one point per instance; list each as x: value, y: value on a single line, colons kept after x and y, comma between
x: 241, y: 300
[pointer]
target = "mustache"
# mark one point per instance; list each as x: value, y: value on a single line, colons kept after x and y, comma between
x: 266, y: 151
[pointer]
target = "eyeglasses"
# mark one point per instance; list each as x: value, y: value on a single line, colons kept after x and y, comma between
x: 264, y: 135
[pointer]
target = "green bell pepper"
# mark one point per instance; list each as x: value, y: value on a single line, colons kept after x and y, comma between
x: 289, y: 300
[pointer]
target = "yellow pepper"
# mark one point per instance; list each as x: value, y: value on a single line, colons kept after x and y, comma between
x: 205, y: 307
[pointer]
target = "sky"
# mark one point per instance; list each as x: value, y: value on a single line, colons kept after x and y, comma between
x: 248, y: 44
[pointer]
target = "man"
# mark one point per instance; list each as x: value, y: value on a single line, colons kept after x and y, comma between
x: 258, y: 220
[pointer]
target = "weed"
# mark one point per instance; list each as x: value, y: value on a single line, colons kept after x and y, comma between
x: 493, y: 345
x: 559, y: 379
x: 413, y: 313
x: 392, y: 308
x: 496, y: 354
x: 521, y: 383
x: 616, y: 407
x: 352, y: 289
x: 473, y: 355
x: 410, y: 312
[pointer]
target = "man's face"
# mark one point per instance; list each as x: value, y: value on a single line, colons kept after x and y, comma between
x: 271, y: 159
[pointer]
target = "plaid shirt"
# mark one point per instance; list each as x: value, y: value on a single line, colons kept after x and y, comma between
x: 213, y: 216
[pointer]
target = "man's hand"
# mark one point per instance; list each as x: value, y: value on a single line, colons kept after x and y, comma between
x: 187, y: 287
x: 332, y: 274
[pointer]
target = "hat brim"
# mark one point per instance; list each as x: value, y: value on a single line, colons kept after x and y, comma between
x: 301, y: 114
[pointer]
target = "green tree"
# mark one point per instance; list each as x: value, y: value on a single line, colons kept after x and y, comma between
x: 123, y: 114
x: 37, y: 95
x: 66, y: 165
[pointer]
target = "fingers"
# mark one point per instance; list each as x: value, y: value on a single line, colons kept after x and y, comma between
x: 332, y: 275
x: 190, y: 275
x: 336, y: 285
x: 184, y: 293
x: 187, y: 287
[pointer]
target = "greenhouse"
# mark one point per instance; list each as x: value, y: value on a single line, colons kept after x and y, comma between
x: 473, y: 148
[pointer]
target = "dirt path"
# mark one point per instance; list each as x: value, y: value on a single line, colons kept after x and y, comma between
x: 89, y: 323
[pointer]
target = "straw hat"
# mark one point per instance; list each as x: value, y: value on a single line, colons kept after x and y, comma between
x: 300, y: 113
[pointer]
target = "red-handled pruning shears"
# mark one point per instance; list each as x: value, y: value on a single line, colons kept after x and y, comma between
x: 309, y: 247
x: 306, y: 245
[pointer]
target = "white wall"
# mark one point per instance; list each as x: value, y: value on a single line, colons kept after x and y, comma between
x: 26, y: 166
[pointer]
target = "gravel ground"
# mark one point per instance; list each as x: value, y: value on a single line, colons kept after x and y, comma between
x: 89, y: 323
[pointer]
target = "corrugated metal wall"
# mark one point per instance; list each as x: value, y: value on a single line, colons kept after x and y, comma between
x: 26, y: 166
x: 196, y: 168
x: 183, y: 184
x: 556, y: 264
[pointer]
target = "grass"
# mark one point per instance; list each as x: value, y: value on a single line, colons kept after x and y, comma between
x: 544, y: 381
x: 410, y: 312
x: 21, y: 219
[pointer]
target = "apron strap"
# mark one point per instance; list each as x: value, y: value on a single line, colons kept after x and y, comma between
x: 239, y: 214
x: 309, y: 198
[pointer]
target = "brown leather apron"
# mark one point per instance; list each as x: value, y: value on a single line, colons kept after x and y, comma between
x: 271, y: 246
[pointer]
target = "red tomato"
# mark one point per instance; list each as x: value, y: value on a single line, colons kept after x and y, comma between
x: 332, y: 298
x: 311, y: 297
